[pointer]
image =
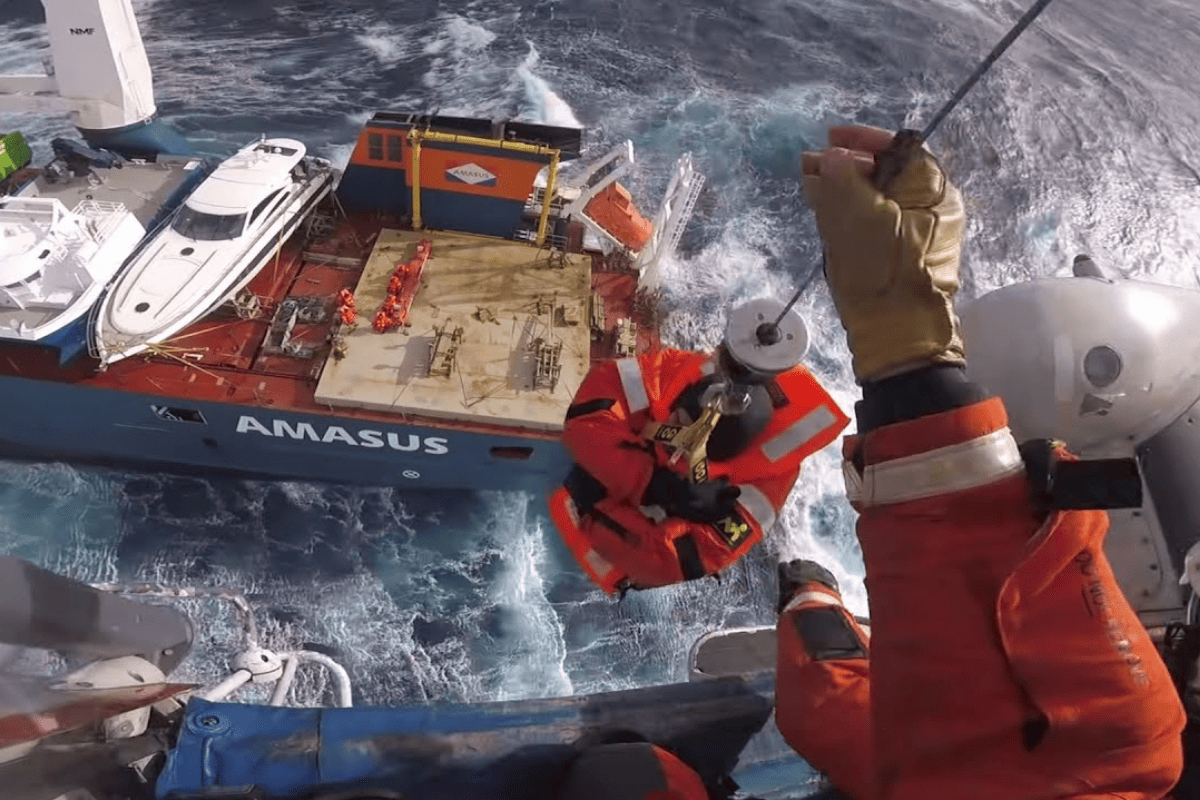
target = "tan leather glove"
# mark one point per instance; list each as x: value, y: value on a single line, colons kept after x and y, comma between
x: 891, y: 262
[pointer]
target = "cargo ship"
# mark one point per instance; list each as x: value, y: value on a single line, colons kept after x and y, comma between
x: 527, y: 281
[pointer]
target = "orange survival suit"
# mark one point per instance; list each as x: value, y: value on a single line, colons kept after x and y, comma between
x: 622, y: 543
x: 1005, y: 663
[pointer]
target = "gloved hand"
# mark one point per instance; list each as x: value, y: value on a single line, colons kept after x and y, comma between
x: 797, y: 573
x: 891, y: 262
x: 709, y: 501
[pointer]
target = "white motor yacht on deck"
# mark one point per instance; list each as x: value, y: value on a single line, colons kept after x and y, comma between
x: 220, y: 238
x: 54, y: 263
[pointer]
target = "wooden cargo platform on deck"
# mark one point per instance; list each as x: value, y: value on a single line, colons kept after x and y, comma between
x: 498, y: 333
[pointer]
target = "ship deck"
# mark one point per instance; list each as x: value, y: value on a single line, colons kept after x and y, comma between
x: 281, y: 347
x: 144, y: 188
x: 498, y: 331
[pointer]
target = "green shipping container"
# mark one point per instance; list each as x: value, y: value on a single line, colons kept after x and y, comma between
x: 14, y: 154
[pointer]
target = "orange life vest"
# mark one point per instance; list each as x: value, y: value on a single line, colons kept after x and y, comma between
x: 620, y: 544
x: 804, y: 411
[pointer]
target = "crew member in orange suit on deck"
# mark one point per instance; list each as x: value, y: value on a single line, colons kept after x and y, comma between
x: 1004, y: 661
x: 658, y: 493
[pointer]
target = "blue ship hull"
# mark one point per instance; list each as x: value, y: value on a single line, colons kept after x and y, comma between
x: 80, y: 423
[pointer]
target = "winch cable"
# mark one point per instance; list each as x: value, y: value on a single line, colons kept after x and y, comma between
x: 895, y: 157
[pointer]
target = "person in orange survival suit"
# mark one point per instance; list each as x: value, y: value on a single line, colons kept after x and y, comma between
x: 645, y: 505
x: 1004, y: 661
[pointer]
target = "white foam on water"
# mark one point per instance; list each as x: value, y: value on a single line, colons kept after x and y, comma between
x: 21, y: 53
x: 22, y: 50
x: 339, y: 154
x: 467, y: 35
x: 457, y: 45
x: 60, y: 518
x: 534, y: 650
x: 449, y: 39
x: 386, y: 45
x: 544, y: 104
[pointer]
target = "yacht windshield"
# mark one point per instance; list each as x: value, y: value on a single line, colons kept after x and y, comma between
x: 208, y: 227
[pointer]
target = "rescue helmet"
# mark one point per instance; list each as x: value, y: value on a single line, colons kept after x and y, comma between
x: 755, y: 341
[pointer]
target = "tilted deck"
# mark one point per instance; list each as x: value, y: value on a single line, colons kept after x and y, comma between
x: 498, y: 332
x: 504, y: 294
x: 143, y: 188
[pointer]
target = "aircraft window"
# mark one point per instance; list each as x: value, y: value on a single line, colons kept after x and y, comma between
x: 207, y: 227
x: 375, y: 146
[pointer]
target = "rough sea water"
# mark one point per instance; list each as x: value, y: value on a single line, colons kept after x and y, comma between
x: 1083, y: 138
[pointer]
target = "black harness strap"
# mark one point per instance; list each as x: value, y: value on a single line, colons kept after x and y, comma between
x: 610, y: 523
x: 585, y: 490
x: 689, y: 558
x: 590, y: 407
